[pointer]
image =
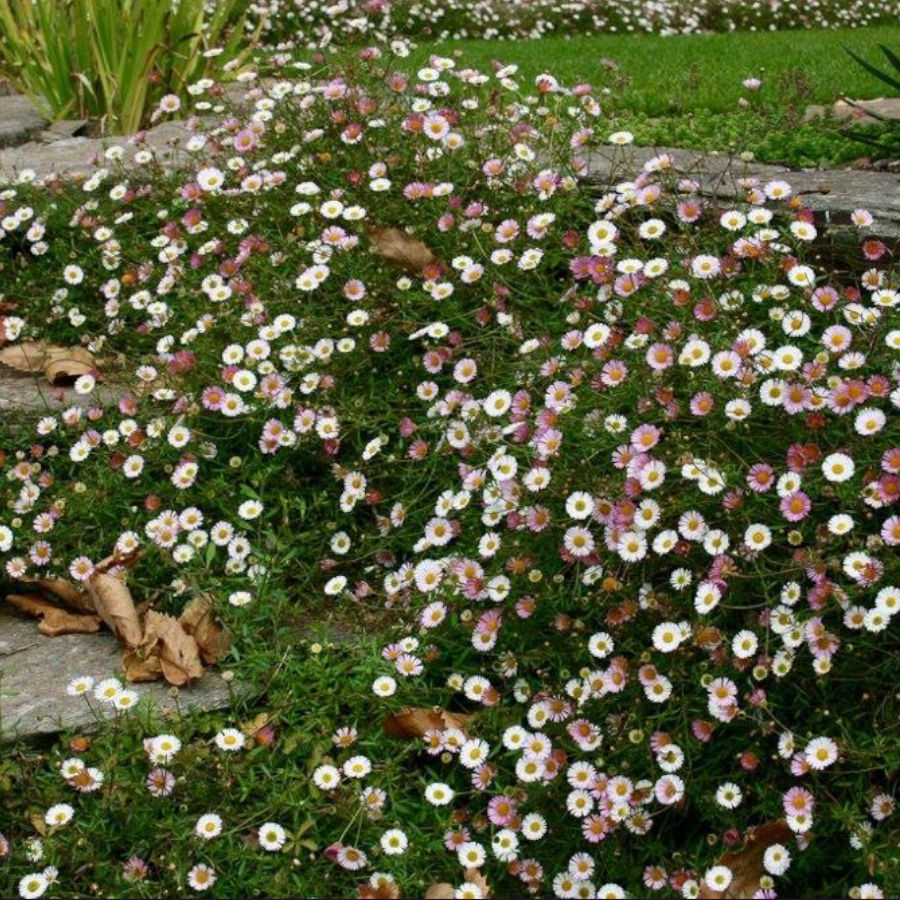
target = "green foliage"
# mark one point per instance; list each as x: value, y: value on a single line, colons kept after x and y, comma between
x: 190, y: 284
x: 667, y: 76
x: 112, y: 60
x: 881, y: 74
x: 886, y: 141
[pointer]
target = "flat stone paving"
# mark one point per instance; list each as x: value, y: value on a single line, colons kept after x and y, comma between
x: 19, y: 120
x: 863, y: 112
x: 73, y: 155
x: 31, y: 395
x: 833, y: 192
x: 35, y: 669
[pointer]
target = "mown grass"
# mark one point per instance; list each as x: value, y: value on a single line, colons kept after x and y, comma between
x: 664, y: 76
x: 687, y: 90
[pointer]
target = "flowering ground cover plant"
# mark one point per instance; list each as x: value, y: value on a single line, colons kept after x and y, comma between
x: 610, y: 475
x: 304, y: 22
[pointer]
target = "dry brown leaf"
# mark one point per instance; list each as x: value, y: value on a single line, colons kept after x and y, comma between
x: 708, y: 637
x: 385, y: 890
x: 251, y: 726
x: 443, y: 891
x: 747, y: 864
x: 54, y: 619
x: 125, y: 560
x: 401, y: 250
x: 415, y: 721
x: 55, y: 363
x: 141, y: 666
x: 179, y: 655
x: 66, y: 591
x: 475, y: 876
x: 198, y: 620
x: 114, y: 605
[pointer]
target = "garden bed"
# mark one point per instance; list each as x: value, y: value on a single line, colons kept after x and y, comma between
x: 542, y: 490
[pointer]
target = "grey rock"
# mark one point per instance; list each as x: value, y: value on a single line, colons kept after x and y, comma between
x: 834, y: 193
x: 32, y: 395
x: 34, y: 672
x: 865, y: 112
x: 868, y: 112
x: 74, y: 155
x: 65, y: 152
x: 19, y: 120
x: 65, y: 128
x: 814, y: 111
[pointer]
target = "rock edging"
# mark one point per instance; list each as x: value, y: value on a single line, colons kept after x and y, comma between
x: 835, y: 193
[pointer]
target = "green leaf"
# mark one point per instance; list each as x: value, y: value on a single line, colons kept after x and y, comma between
x: 883, y: 76
x: 892, y: 57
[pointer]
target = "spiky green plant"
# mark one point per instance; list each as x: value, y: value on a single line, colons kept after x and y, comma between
x: 111, y: 60
x: 881, y: 74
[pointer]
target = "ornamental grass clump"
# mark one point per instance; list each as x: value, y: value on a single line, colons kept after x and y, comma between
x: 616, y: 466
x: 112, y: 61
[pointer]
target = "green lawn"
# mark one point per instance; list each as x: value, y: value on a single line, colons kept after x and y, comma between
x: 686, y: 90
x: 667, y: 75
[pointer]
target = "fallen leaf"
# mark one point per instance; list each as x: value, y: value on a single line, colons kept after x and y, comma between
x: 114, y: 605
x: 441, y: 890
x: 66, y: 591
x: 475, y: 877
x: 179, y: 655
x: 401, y: 250
x: 386, y: 889
x: 55, y: 363
x: 709, y: 637
x: 54, y: 619
x: 198, y: 620
x: 125, y: 560
x: 141, y: 666
x: 251, y: 726
x: 415, y: 721
x: 747, y: 864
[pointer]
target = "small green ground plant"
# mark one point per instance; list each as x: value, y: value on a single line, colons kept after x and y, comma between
x: 606, y: 475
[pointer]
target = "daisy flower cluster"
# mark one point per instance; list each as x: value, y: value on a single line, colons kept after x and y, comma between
x: 620, y: 459
x: 320, y: 22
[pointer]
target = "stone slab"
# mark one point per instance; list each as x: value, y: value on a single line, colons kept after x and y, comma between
x: 34, y: 672
x: 834, y: 193
x: 64, y: 151
x: 864, y: 112
x: 33, y: 396
x: 75, y: 155
x: 64, y: 129
x: 19, y: 120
